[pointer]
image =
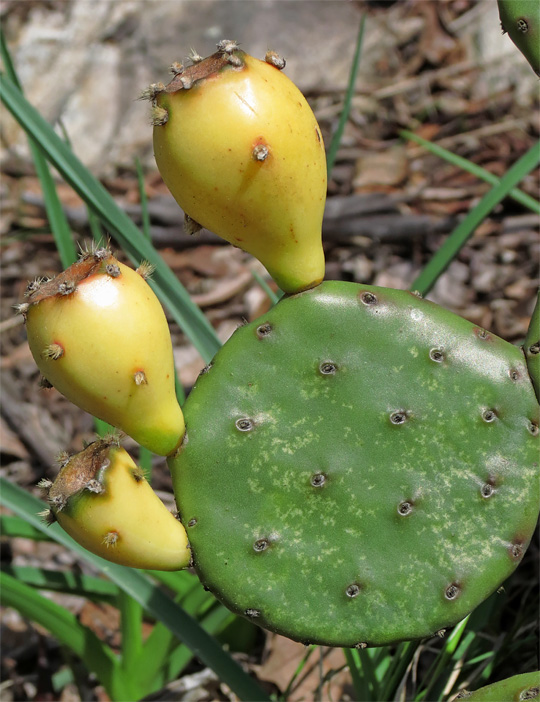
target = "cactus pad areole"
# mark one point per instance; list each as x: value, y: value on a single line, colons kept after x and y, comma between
x: 360, y: 467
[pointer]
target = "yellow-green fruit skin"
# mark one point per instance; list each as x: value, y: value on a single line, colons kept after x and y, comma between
x: 111, y: 329
x: 521, y: 19
x: 271, y: 208
x: 127, y: 523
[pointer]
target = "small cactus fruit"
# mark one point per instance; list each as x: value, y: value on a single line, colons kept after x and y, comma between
x: 241, y: 151
x: 103, y: 501
x: 360, y: 467
x: 99, y: 335
x: 515, y: 689
x: 531, y: 348
x: 521, y: 19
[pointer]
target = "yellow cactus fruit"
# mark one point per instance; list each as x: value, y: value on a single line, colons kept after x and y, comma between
x: 99, y: 335
x: 240, y: 149
x: 102, y: 500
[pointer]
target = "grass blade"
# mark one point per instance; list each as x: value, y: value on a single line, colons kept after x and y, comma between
x: 472, y: 168
x: 94, y: 223
x: 64, y: 626
x: 360, y: 684
x: 171, y: 659
x: 440, y: 670
x: 65, y: 581
x: 179, y: 581
x: 195, y: 601
x: 400, y: 662
x: 15, y: 526
x: 274, y: 297
x: 131, y: 619
x: 299, y: 669
x: 156, y: 650
x: 344, y: 116
x: 153, y: 600
x: 168, y: 288
x: 214, y: 623
x: 461, y: 234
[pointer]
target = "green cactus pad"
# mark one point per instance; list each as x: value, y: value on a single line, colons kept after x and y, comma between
x: 360, y: 467
x: 515, y: 689
x: 521, y: 19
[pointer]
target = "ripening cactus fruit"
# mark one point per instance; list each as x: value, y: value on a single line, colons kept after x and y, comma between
x: 521, y: 19
x: 515, y: 689
x: 102, y: 500
x: 360, y: 467
x: 241, y: 151
x: 99, y: 335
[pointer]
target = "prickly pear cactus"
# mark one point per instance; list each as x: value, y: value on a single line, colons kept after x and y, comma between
x: 515, y: 689
x: 360, y: 467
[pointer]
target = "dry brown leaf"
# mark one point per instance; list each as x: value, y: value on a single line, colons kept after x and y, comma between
x: 10, y: 445
x: 104, y: 620
x: 283, y: 659
x: 381, y: 171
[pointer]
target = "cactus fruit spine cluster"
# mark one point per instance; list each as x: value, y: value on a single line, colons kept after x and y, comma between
x: 359, y: 466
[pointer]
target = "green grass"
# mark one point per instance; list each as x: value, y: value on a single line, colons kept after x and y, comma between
x: 466, y: 228
x: 195, y: 636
